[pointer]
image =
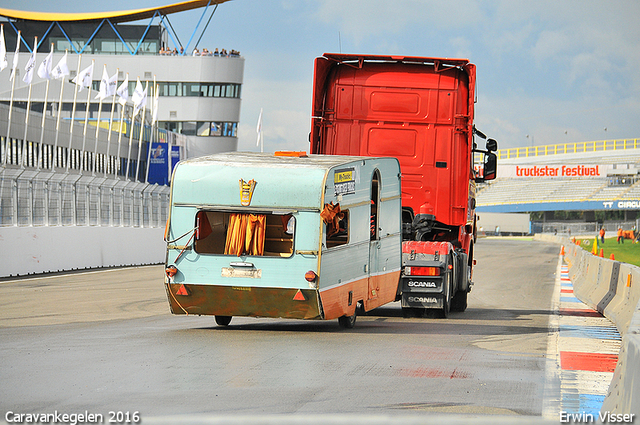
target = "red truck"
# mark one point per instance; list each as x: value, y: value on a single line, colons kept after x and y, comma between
x: 419, y: 110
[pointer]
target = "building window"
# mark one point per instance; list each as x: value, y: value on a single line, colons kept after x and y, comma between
x: 228, y: 90
x: 202, y: 128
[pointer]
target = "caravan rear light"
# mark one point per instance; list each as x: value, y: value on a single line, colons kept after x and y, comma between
x: 311, y: 276
x: 171, y: 271
x: 422, y: 271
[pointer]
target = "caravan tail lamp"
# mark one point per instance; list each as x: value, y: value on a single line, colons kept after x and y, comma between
x: 311, y: 276
x: 171, y: 271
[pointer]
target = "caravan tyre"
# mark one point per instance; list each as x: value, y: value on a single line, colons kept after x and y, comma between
x: 347, y: 322
x: 223, y: 320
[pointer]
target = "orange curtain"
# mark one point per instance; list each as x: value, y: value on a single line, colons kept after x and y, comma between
x: 331, y: 215
x: 245, y: 234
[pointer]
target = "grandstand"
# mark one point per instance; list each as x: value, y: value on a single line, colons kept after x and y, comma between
x: 588, y: 176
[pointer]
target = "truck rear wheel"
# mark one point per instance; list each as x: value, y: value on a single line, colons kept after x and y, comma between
x: 459, y: 301
x: 446, y: 296
x: 223, y: 320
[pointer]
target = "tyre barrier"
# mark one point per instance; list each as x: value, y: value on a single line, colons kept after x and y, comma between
x: 613, y: 289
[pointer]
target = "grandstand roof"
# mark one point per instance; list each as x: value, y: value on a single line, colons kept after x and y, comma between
x: 120, y: 16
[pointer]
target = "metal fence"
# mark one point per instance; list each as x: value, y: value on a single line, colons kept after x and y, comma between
x: 571, y: 148
x: 36, y: 198
x: 582, y: 228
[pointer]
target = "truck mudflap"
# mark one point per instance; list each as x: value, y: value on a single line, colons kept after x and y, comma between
x: 424, y: 291
x: 219, y: 300
x: 426, y: 275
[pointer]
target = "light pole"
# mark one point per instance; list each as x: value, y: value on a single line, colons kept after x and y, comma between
x: 530, y: 137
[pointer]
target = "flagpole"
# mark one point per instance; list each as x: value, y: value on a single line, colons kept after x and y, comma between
x: 44, y: 112
x: 26, y: 119
x: 113, y: 105
x: 95, y: 154
x: 133, y: 119
x: 55, y: 143
x: 120, y: 127
x: 142, y: 117
x: 86, y: 114
x: 153, y: 122
x: 73, y: 114
x: 14, y: 71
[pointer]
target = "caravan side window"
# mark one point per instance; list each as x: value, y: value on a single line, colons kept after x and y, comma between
x: 338, y: 231
x: 229, y: 233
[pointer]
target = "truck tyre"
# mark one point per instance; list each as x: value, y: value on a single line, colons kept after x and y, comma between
x: 446, y: 301
x: 459, y: 301
x: 223, y: 320
x: 347, y: 322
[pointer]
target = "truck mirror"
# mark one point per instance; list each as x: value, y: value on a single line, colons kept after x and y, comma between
x: 490, y: 166
x: 492, y: 145
x: 479, y: 133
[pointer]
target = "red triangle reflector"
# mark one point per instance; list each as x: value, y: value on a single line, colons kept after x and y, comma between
x: 182, y: 290
x: 299, y: 296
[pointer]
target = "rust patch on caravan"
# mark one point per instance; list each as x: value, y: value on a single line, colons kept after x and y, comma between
x: 221, y: 300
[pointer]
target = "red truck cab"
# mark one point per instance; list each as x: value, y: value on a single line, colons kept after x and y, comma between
x: 419, y: 110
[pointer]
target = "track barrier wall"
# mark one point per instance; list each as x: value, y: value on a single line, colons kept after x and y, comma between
x: 613, y: 289
x: 62, y: 221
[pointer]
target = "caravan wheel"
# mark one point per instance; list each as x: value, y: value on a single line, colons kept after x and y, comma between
x: 347, y: 322
x: 223, y: 320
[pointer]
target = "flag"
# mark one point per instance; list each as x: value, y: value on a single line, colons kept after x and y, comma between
x: 104, y: 85
x: 3, y: 50
x: 61, y: 68
x: 111, y: 86
x: 14, y: 67
x: 31, y: 65
x: 156, y: 93
x: 123, y: 91
x: 139, y: 98
x: 259, y: 128
x: 85, y: 78
x: 44, y: 71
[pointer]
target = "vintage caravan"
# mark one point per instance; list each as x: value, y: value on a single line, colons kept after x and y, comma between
x: 285, y: 235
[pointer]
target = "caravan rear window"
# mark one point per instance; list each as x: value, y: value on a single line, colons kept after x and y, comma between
x: 237, y: 234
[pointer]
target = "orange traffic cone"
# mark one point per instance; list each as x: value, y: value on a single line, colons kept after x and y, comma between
x: 562, y: 251
x: 612, y: 257
x: 602, y: 253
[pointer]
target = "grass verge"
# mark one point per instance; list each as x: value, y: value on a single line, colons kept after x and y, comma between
x: 627, y: 252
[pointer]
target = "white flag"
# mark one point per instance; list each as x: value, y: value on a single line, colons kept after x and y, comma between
x: 44, y: 71
x: 3, y: 50
x: 111, y: 86
x: 259, y: 128
x: 104, y: 85
x: 139, y: 98
x: 14, y: 66
x: 123, y: 91
x: 85, y: 78
x: 156, y: 93
x: 31, y: 66
x: 61, y: 68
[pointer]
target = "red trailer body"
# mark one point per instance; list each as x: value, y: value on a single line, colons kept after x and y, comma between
x: 419, y: 110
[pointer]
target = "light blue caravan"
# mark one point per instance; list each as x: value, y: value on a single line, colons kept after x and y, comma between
x: 284, y: 235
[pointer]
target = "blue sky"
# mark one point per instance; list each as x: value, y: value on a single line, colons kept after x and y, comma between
x: 555, y: 71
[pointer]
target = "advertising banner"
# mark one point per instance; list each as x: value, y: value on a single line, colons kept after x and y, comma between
x: 158, y: 164
x: 555, y: 170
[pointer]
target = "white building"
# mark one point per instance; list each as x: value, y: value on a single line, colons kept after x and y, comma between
x: 199, y: 96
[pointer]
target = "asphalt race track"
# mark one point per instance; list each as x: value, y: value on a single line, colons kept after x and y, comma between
x: 104, y: 341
